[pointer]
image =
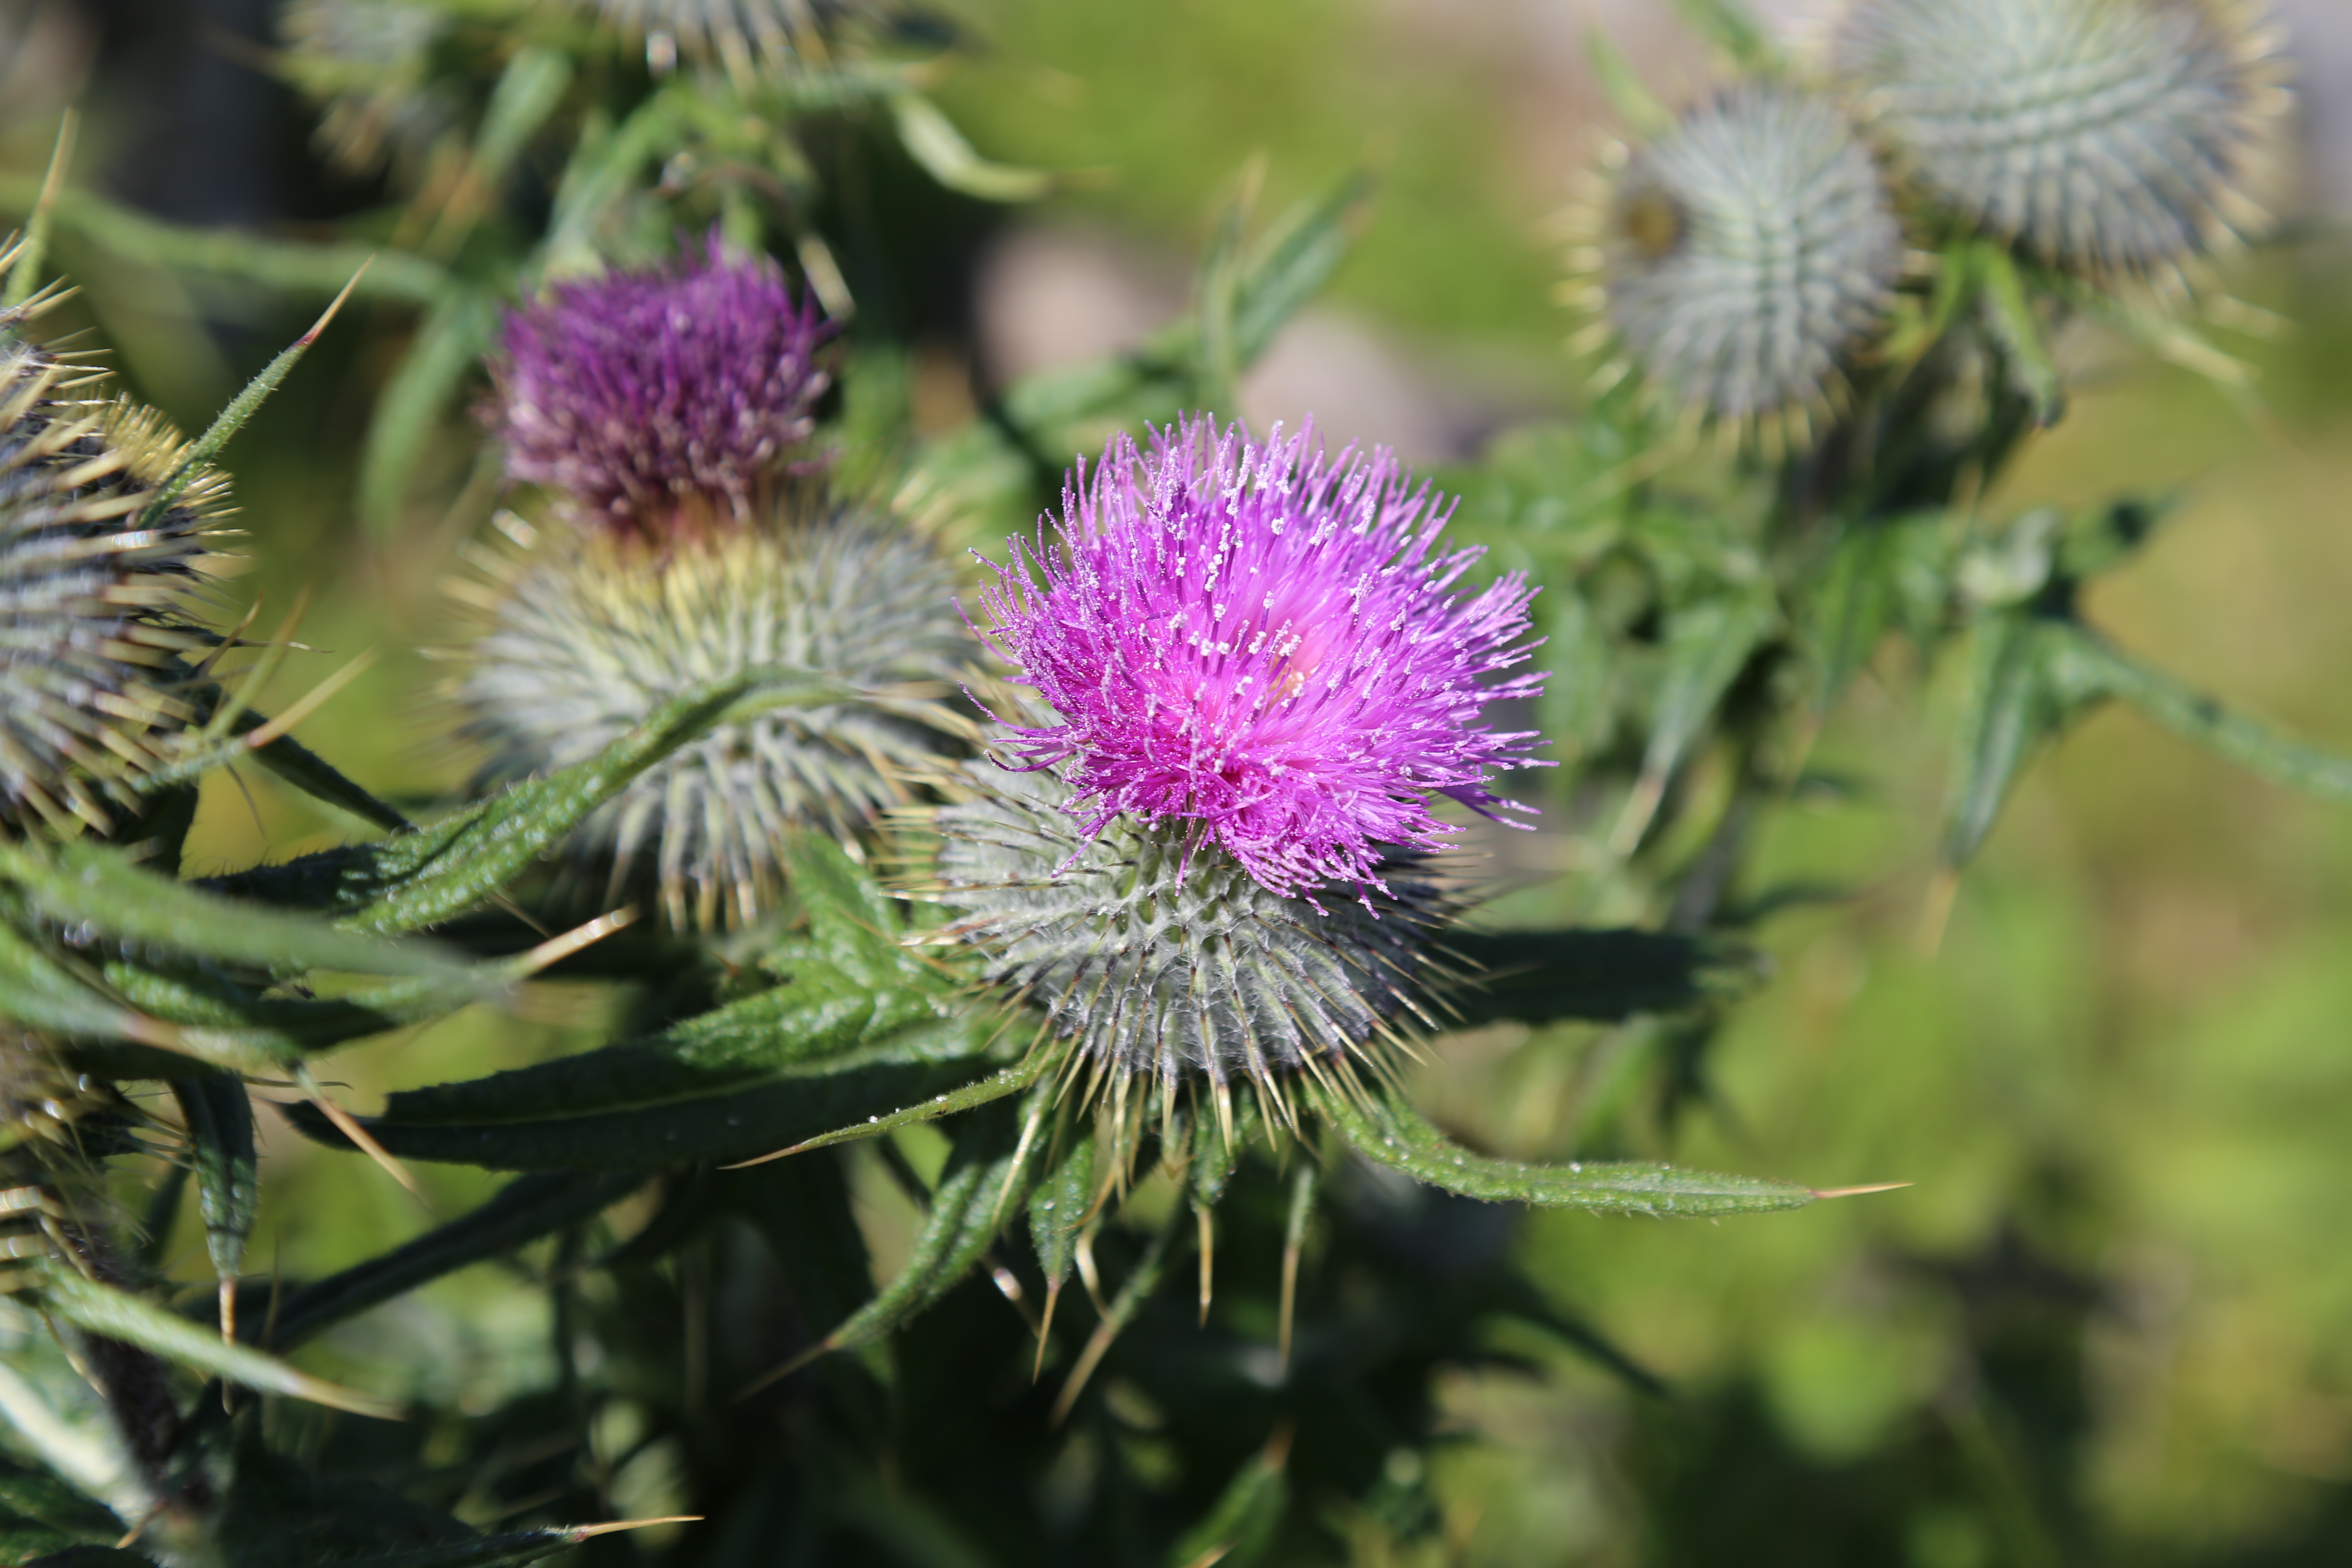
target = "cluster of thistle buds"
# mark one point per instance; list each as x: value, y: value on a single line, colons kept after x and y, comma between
x: 1745, y: 262
x: 690, y: 534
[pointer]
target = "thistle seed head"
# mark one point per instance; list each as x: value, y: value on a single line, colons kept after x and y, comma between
x: 1160, y: 955
x: 1745, y: 256
x: 2106, y: 136
x: 1255, y: 644
x: 651, y: 398
x: 100, y: 670
x: 591, y: 632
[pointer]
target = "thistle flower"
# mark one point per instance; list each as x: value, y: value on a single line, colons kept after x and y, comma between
x: 2106, y: 136
x: 643, y: 394
x: 94, y: 687
x: 1262, y: 676
x: 591, y: 632
x: 1742, y: 258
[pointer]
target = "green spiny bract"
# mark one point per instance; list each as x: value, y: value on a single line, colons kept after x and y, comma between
x: 1160, y: 956
x: 93, y: 634
x: 2105, y: 136
x: 1745, y: 255
x: 592, y: 630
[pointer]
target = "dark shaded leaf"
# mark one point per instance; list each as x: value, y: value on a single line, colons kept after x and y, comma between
x: 219, y: 1117
x: 1602, y: 976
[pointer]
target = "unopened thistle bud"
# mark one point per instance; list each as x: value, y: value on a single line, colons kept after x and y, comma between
x: 1261, y: 675
x: 1745, y: 257
x: 2105, y: 136
x: 589, y: 633
x: 100, y: 663
x: 664, y: 409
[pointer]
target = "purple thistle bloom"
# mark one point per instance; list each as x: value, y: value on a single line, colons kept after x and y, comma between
x: 1257, y: 640
x: 634, y: 392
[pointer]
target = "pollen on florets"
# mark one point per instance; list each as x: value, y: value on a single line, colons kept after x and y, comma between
x: 1742, y: 258
x: 1255, y: 644
x: 100, y: 666
x: 2106, y: 136
x: 590, y: 631
x: 648, y: 395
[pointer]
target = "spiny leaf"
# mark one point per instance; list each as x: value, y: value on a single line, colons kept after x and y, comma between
x: 1708, y: 642
x: 987, y: 1173
x: 26, y: 257
x: 522, y: 1211
x: 219, y: 1117
x: 420, y: 878
x: 115, y: 1314
x: 240, y: 408
x: 1604, y: 976
x: 2010, y: 316
x: 1058, y: 1209
x: 229, y: 1020
x: 39, y: 993
x: 92, y: 885
x: 1884, y: 575
x: 2021, y: 692
x: 1291, y: 263
x: 1392, y: 1133
x: 820, y: 1059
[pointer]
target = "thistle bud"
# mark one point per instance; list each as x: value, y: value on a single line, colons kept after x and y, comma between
x: 95, y: 638
x: 2105, y: 136
x: 1745, y: 257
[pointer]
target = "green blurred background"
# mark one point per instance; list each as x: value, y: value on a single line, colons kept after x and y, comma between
x: 2106, y: 1323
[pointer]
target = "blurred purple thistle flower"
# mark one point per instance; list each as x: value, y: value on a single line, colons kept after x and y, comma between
x: 634, y: 392
x: 1257, y: 640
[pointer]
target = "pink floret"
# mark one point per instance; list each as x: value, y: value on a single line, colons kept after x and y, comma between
x: 632, y: 391
x: 1255, y: 639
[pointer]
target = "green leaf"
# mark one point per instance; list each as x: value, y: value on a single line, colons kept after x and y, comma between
x: 1058, y: 1209
x: 234, y: 1025
x: 219, y: 1117
x: 37, y: 1499
x: 819, y: 1059
x: 1383, y: 1128
x: 931, y: 138
x: 114, y: 1315
x: 522, y: 1211
x: 1643, y: 115
x: 317, y: 269
x: 298, y: 765
x: 2009, y: 317
x: 93, y: 885
x: 1884, y: 575
x: 988, y: 1170
x: 442, y: 870
x: 529, y: 89
x: 39, y: 993
x: 1292, y: 261
x: 1708, y: 642
x: 1604, y: 976
x: 450, y: 341
x: 2021, y: 692
x: 1729, y: 27
x: 1241, y: 1528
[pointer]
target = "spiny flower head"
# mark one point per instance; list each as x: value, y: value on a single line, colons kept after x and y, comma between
x: 371, y: 63
x: 589, y: 633
x: 1744, y: 255
x: 2106, y: 136
x: 646, y: 395
x: 1160, y: 959
x: 1256, y: 642
x: 745, y: 36
x: 95, y: 682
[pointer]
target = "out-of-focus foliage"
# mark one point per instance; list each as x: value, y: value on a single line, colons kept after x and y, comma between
x: 1797, y: 691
